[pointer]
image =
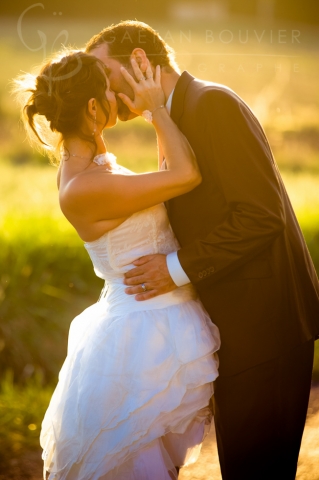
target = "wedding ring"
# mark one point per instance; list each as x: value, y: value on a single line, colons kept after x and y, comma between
x: 143, y: 287
x: 142, y: 78
x: 149, y: 76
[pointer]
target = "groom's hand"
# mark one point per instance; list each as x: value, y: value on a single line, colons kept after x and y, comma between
x: 152, y: 272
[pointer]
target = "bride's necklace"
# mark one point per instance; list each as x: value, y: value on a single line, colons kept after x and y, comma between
x: 65, y: 155
x: 79, y: 156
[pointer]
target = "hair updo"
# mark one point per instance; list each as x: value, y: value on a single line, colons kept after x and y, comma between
x: 59, y: 98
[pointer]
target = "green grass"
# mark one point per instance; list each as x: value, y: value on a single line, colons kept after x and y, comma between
x: 22, y: 410
x: 303, y: 190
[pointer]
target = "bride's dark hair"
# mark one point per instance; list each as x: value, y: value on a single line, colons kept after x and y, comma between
x: 59, y: 98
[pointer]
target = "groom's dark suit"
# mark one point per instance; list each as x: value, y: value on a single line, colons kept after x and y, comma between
x: 242, y: 248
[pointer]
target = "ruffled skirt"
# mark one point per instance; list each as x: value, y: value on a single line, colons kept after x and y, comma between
x: 133, y: 393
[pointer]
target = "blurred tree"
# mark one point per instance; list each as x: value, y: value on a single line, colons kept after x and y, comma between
x: 124, y: 9
x: 306, y: 11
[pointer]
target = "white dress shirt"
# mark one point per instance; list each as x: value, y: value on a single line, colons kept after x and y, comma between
x: 175, y: 269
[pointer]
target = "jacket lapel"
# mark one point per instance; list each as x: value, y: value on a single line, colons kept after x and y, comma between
x: 178, y: 105
x: 179, y: 96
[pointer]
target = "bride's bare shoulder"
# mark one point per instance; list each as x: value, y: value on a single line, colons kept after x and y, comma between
x: 88, y: 184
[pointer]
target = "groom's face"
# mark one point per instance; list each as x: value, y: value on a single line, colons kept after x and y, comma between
x: 117, y: 82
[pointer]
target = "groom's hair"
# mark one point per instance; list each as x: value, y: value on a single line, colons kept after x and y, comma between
x: 123, y: 37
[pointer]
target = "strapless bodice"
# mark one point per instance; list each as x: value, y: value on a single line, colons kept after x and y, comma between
x: 144, y: 233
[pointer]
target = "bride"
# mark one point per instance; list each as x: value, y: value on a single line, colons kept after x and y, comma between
x: 132, y: 399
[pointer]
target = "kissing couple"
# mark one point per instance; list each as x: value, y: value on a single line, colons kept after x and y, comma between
x: 203, y: 255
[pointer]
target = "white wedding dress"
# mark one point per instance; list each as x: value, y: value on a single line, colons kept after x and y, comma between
x: 133, y: 393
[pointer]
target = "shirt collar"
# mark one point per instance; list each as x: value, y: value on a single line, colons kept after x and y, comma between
x: 169, y: 102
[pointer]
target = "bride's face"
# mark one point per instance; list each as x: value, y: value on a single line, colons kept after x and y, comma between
x: 97, y: 112
x: 117, y: 81
x: 110, y: 106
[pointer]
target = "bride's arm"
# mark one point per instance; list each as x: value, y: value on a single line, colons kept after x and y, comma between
x: 97, y: 195
x: 104, y: 196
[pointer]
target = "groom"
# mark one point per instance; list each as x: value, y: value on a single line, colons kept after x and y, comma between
x: 242, y: 248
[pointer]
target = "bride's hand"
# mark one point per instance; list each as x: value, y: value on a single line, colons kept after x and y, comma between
x: 148, y: 92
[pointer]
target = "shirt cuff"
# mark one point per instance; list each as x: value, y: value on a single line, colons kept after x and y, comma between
x: 176, y: 271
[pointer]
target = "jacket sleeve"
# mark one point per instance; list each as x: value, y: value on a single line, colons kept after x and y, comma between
x: 239, y: 157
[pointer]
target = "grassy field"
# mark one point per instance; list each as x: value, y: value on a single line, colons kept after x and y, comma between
x: 46, y: 275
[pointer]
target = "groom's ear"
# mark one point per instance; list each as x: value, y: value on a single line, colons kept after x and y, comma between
x: 141, y: 58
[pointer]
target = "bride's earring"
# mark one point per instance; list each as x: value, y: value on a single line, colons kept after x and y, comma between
x: 94, y: 126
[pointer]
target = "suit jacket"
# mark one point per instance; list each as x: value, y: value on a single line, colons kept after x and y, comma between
x: 241, y: 245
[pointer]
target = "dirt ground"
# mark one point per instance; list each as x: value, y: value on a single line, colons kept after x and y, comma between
x: 207, y: 467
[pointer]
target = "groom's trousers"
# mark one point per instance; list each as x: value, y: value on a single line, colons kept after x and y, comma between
x: 260, y: 416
